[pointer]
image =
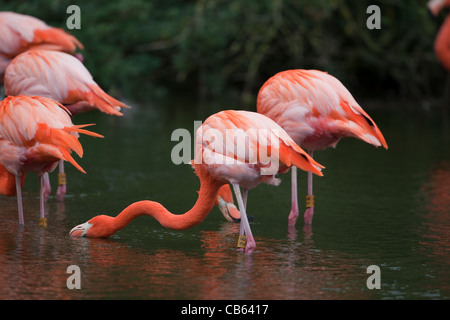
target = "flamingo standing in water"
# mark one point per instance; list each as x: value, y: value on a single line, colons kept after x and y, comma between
x: 316, y: 110
x: 21, y: 32
x: 35, y: 133
x: 219, y: 160
x: 64, y: 78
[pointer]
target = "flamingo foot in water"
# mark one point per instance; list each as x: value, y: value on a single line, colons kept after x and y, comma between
x: 293, y: 216
x: 309, y: 213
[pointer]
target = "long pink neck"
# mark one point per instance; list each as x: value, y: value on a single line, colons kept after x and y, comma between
x: 207, y: 195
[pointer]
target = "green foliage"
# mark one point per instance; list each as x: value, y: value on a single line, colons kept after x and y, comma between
x: 226, y: 49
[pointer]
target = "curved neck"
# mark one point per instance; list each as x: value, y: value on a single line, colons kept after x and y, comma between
x: 204, y: 204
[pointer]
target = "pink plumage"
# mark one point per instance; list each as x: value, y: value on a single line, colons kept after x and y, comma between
x: 35, y: 133
x: 59, y: 76
x: 21, y: 32
x: 316, y: 110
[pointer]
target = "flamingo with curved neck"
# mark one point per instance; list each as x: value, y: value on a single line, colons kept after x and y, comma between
x: 240, y: 169
x: 103, y: 226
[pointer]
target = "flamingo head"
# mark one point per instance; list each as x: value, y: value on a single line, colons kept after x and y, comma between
x: 98, y: 227
x: 228, y: 209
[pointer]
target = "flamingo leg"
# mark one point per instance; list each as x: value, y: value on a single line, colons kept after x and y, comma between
x: 309, y: 213
x: 47, y: 186
x: 19, y: 199
x: 61, y: 182
x: 245, y: 226
x: 42, y: 219
x: 293, y: 215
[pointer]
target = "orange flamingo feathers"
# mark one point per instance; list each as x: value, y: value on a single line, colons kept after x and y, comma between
x: 316, y: 110
x: 59, y: 76
x: 219, y: 160
x: 22, y: 32
x: 35, y: 134
x: 64, y: 78
x: 442, y: 41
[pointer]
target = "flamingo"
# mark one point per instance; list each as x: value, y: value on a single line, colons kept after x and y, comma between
x: 64, y: 78
x: 35, y: 133
x: 22, y: 32
x: 316, y: 110
x: 442, y: 41
x: 219, y: 160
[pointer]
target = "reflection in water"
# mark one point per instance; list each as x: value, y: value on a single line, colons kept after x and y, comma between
x: 369, y: 215
x: 435, y: 235
x: 34, y: 262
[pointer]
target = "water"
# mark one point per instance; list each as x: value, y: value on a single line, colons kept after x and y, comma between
x: 373, y: 207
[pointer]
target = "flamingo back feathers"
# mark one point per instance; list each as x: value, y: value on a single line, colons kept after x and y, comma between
x: 314, y: 106
x: 220, y: 132
x: 59, y: 76
x: 42, y: 124
x: 21, y: 32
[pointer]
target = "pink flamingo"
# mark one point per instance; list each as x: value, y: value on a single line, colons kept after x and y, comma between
x: 64, y: 78
x: 35, y: 133
x: 316, y: 110
x: 21, y: 32
x: 442, y: 41
x: 219, y: 160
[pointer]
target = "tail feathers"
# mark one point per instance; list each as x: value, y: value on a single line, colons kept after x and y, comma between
x: 77, y: 128
x: 367, y: 129
x: 8, y: 182
x: 291, y: 157
x: 104, y: 102
x: 58, y: 137
x: 61, y: 39
x: 67, y: 157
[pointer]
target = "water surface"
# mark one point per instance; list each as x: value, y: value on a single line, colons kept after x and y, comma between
x: 373, y: 207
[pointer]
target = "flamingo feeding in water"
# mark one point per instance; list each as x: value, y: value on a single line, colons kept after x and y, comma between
x: 442, y: 41
x: 35, y: 133
x: 64, y: 78
x: 316, y: 110
x: 220, y: 160
x: 21, y: 32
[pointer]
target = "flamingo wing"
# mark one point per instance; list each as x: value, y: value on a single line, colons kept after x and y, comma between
x: 59, y: 76
x: 313, y: 105
x: 238, y: 145
x: 38, y: 129
x: 21, y: 32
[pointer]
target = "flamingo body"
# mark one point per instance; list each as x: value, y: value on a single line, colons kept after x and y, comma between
x: 59, y: 76
x: 35, y: 133
x: 22, y: 32
x: 242, y: 167
x: 316, y: 110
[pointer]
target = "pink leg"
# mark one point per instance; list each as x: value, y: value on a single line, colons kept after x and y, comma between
x: 19, y: 199
x: 293, y: 215
x: 245, y: 226
x: 42, y: 219
x: 309, y: 213
x: 47, y: 186
x: 60, y: 193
